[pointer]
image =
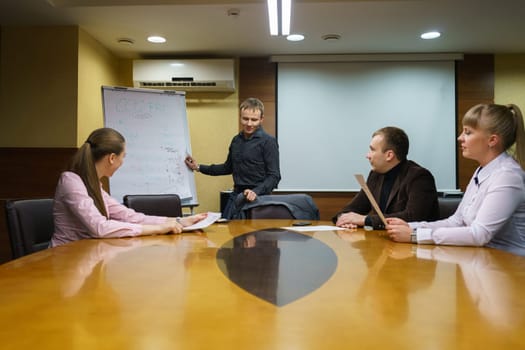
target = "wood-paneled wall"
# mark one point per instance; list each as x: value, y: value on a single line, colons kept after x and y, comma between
x: 257, y: 78
x: 33, y: 172
x: 28, y: 173
x: 474, y: 84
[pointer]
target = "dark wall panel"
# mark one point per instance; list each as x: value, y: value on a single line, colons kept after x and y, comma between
x: 475, y: 84
x: 28, y: 173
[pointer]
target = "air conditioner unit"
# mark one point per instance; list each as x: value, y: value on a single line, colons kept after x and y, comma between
x: 185, y: 75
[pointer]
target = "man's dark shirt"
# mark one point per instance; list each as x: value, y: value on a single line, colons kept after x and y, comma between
x: 253, y: 162
x: 388, y: 182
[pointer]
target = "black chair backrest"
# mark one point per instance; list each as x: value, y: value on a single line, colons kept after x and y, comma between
x: 155, y: 204
x: 448, y: 206
x: 272, y: 211
x: 30, y: 225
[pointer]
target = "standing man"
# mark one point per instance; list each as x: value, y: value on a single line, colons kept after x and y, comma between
x: 401, y: 187
x: 253, y: 160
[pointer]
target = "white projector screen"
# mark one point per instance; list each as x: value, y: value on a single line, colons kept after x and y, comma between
x: 327, y: 112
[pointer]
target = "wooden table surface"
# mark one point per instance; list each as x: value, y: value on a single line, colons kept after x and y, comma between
x: 249, y: 285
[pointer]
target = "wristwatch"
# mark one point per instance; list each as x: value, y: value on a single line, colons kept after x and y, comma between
x: 413, y: 237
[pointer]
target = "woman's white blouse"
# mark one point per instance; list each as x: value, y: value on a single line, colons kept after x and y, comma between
x: 491, y: 213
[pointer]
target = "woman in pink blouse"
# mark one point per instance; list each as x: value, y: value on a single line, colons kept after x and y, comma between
x: 82, y: 209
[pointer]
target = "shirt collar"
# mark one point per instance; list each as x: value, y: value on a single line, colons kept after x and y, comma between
x: 256, y: 134
x: 392, y: 173
x: 484, y: 172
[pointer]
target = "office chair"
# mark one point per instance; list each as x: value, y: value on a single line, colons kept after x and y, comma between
x: 30, y: 225
x: 271, y: 211
x: 448, y: 206
x: 283, y: 206
x: 155, y: 204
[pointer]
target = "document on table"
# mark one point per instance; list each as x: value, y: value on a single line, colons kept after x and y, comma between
x: 210, y: 219
x: 314, y: 228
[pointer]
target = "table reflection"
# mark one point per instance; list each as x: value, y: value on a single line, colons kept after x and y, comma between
x: 392, y: 276
x: 276, y: 264
x: 395, y: 270
x: 91, y: 263
x: 107, y: 278
x: 492, y: 289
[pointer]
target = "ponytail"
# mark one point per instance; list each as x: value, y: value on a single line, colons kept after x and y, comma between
x: 520, y: 134
x: 99, y: 143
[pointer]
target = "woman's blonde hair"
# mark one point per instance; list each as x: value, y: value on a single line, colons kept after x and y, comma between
x: 506, y: 121
x: 100, y: 142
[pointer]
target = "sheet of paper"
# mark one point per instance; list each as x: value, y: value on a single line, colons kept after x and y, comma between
x: 210, y: 219
x: 313, y: 228
x: 361, y: 179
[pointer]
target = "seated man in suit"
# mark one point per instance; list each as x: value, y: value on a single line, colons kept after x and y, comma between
x: 401, y: 187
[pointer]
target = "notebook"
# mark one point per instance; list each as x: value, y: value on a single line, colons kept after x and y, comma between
x: 361, y: 180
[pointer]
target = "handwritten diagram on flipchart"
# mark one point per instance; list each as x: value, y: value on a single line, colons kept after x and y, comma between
x: 155, y: 127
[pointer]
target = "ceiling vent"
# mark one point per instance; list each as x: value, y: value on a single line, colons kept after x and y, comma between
x: 185, y: 75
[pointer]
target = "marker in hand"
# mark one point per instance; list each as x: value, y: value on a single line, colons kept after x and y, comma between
x: 190, y: 162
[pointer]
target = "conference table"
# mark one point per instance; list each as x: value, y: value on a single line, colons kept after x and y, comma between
x: 262, y: 284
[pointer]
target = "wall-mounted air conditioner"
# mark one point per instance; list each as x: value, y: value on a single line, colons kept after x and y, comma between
x: 185, y: 75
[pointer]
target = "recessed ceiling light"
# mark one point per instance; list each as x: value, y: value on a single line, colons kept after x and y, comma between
x: 295, y: 37
x: 430, y: 35
x: 125, y: 41
x: 234, y: 12
x: 331, y: 37
x: 156, y: 39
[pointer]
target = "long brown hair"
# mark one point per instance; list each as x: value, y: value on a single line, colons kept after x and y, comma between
x: 503, y: 120
x: 100, y: 142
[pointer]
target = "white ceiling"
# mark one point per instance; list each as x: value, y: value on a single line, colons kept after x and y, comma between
x: 203, y: 27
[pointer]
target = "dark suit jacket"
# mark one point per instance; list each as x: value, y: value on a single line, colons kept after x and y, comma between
x: 413, y: 196
x: 300, y: 205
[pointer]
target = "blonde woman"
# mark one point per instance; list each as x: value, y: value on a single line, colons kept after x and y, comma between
x: 492, y: 211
